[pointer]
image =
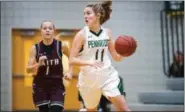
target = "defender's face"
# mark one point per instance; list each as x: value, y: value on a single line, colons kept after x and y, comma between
x: 89, y: 16
x: 47, y: 30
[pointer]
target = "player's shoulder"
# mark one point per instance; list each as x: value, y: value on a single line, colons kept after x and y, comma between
x: 57, y: 40
x: 108, y: 31
x: 37, y: 45
x: 81, y: 33
x: 33, y: 49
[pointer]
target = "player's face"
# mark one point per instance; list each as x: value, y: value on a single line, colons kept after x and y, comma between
x: 89, y: 16
x: 47, y: 30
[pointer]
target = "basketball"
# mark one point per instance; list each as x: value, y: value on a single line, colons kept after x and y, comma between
x: 125, y: 45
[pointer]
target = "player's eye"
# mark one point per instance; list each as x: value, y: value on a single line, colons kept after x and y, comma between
x: 50, y: 28
x: 88, y: 13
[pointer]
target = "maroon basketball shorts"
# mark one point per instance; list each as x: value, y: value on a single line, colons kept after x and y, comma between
x: 50, y: 91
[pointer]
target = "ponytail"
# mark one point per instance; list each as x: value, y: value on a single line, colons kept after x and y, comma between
x: 107, y: 11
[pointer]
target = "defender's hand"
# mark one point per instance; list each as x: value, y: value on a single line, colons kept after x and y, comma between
x: 68, y: 76
x: 41, y: 60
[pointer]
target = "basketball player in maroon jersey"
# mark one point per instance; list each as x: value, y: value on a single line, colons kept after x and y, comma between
x: 45, y: 62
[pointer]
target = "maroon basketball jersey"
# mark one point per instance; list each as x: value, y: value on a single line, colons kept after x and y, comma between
x: 53, y: 67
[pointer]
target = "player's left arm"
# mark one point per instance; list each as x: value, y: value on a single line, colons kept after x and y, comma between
x: 65, y: 48
x: 66, y: 51
x: 111, y: 47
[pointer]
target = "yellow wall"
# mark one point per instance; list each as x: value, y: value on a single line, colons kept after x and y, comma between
x: 22, y: 91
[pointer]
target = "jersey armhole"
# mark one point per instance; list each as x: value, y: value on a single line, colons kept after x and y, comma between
x: 37, y: 51
x: 59, y: 49
x: 81, y: 49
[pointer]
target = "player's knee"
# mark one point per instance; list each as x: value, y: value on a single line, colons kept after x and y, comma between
x: 125, y: 109
x: 43, y: 108
x: 91, y: 107
x: 91, y: 104
x: 56, y: 108
x: 122, y: 108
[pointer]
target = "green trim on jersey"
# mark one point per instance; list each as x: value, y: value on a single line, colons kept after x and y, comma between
x: 97, y: 34
x: 121, y: 86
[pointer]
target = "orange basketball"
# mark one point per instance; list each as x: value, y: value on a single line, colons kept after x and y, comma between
x: 125, y: 45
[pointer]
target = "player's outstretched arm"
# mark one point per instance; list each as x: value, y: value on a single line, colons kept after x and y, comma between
x: 111, y: 47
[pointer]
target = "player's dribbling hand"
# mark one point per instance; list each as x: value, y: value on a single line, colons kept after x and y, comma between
x: 41, y: 60
x: 97, y: 64
x: 120, y: 57
x: 68, y: 76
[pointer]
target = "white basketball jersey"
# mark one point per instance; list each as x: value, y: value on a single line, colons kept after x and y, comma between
x: 96, y: 47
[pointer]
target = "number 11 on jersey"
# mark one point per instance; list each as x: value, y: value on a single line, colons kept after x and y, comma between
x: 101, y: 54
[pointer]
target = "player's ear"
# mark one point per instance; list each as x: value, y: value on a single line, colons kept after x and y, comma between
x: 98, y: 15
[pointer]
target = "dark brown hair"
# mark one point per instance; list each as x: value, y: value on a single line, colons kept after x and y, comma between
x: 47, y: 21
x: 104, y: 9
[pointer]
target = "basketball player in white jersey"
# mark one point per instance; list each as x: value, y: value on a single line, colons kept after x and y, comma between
x: 90, y: 51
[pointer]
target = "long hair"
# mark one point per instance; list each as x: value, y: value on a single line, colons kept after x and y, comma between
x: 104, y: 9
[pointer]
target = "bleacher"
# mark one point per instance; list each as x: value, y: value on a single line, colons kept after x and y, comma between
x: 171, y: 99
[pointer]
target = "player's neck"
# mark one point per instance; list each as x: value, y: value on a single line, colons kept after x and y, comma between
x: 95, y: 28
x: 47, y: 41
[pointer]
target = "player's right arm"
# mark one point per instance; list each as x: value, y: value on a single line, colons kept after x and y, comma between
x: 32, y: 64
x: 78, y: 41
x: 76, y: 46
